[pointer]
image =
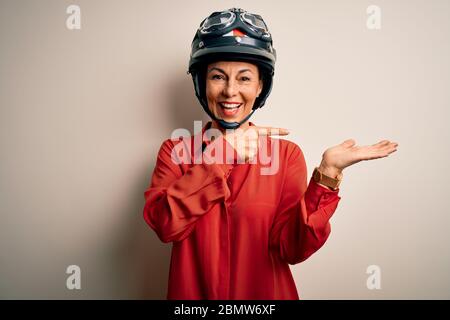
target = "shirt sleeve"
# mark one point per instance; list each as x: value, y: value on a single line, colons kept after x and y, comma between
x: 301, y: 225
x: 175, y: 201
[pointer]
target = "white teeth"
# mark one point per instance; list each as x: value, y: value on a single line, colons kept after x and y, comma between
x: 230, y: 105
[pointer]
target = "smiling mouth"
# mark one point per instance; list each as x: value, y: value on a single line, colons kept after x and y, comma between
x: 230, y: 109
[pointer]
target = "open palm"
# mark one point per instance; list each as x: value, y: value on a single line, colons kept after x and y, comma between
x: 348, y: 153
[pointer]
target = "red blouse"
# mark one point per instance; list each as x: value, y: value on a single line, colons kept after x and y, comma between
x: 234, y: 230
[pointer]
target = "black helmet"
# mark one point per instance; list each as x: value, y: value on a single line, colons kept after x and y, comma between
x: 232, y: 35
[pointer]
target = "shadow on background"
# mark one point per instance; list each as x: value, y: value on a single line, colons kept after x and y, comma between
x: 142, y: 258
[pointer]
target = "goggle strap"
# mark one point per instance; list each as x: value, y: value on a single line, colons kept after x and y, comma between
x: 233, y: 41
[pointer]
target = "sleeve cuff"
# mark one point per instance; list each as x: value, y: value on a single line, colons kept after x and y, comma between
x: 320, y: 195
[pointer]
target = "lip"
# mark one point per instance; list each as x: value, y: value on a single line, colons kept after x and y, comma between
x: 234, y: 102
x: 221, y: 104
x: 232, y: 111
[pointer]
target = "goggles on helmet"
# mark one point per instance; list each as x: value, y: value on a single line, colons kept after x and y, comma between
x: 222, y: 22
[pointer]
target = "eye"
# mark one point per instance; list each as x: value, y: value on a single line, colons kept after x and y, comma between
x: 245, y: 79
x: 216, y: 76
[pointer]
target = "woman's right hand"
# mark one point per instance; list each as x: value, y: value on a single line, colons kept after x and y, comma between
x: 245, y: 142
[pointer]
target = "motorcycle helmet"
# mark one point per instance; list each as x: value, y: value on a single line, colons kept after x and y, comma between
x: 232, y: 35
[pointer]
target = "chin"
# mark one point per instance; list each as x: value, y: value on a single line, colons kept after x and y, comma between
x: 236, y: 118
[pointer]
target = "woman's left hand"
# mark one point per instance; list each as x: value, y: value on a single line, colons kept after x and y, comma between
x: 343, y: 155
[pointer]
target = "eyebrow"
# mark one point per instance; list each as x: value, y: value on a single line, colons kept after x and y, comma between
x: 222, y: 71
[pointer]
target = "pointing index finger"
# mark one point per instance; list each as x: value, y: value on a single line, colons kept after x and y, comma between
x: 270, y: 131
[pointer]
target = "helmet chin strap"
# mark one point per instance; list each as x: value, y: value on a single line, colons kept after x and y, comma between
x: 233, y: 125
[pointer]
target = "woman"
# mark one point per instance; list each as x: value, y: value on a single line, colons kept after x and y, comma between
x: 234, y: 229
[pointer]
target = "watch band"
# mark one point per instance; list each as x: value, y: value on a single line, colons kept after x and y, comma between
x: 328, y: 181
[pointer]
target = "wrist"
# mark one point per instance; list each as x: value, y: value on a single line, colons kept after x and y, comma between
x: 328, y: 177
x: 330, y: 171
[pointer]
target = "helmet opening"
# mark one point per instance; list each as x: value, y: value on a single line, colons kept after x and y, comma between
x: 264, y: 75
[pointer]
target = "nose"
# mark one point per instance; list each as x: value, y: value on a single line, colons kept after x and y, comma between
x: 231, y: 88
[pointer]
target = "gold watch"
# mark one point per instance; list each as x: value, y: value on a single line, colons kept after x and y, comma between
x: 328, y: 181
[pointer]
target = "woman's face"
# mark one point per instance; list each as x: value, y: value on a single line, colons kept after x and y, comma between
x: 232, y: 88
